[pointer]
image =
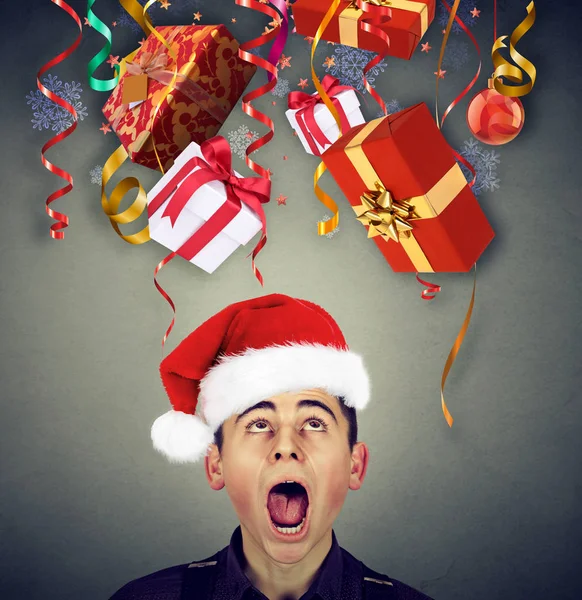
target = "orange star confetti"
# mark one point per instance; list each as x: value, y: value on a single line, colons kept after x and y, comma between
x: 197, y: 16
x: 329, y: 62
x: 309, y: 39
x: 425, y: 47
x: 285, y: 61
x: 273, y: 103
x: 165, y: 4
x: 87, y: 22
x: 281, y: 199
x: 113, y: 60
x: 303, y: 83
x: 267, y: 30
x: 233, y: 20
x: 269, y: 172
x: 441, y: 74
x: 275, y: 22
x: 105, y: 128
x: 285, y: 157
x: 475, y: 12
x: 114, y: 23
x: 141, y: 41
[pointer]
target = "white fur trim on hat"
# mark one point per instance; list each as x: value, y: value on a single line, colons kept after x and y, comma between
x: 239, y: 381
x: 181, y: 437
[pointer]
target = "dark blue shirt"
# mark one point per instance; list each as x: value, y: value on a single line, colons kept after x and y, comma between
x: 340, y: 577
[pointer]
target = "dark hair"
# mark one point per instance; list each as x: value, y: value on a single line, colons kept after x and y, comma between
x: 348, y: 412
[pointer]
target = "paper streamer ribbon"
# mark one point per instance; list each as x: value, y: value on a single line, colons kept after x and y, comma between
x: 453, y: 16
x: 460, y: 336
x: 281, y: 39
x: 63, y: 220
x: 216, y: 165
x: 505, y: 69
x: 271, y: 69
x: 305, y: 105
x: 100, y: 85
x: 380, y: 13
x: 455, y: 350
x: 325, y: 227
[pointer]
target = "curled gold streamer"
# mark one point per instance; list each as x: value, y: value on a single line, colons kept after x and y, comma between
x: 455, y: 350
x: 111, y: 205
x: 324, y: 227
x: 504, y: 68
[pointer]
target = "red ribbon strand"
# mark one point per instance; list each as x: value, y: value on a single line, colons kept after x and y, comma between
x: 62, y: 219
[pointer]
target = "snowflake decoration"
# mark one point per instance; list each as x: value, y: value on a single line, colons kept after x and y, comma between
x: 126, y: 20
x: 349, y: 66
x: 456, y: 55
x: 333, y: 231
x: 240, y: 139
x: 485, y: 164
x: 392, y: 107
x: 463, y: 12
x: 96, y: 174
x: 281, y: 88
x: 47, y: 113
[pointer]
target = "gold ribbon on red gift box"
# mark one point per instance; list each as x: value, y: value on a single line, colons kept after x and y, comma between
x: 394, y: 219
x: 349, y: 18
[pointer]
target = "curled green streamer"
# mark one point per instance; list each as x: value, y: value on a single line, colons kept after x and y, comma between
x: 100, y: 85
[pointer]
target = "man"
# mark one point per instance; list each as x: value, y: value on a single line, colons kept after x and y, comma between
x: 277, y: 390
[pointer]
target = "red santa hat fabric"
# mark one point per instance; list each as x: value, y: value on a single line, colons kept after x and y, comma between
x: 248, y: 352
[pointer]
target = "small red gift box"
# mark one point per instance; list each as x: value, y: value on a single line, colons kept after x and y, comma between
x: 209, y: 81
x: 403, y: 182
x: 408, y: 22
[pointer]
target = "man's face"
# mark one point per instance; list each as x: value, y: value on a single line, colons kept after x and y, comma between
x: 309, y: 442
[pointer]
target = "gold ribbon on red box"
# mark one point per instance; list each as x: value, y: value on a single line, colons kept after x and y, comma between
x: 349, y: 18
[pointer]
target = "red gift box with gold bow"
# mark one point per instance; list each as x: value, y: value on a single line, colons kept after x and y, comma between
x: 206, y: 81
x: 405, y: 24
x: 404, y: 184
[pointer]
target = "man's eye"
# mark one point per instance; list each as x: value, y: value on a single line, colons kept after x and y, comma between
x: 317, y: 423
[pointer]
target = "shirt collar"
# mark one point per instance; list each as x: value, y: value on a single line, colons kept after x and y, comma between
x: 234, y: 582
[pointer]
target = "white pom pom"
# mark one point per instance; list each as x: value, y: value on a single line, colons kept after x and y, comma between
x: 181, y: 437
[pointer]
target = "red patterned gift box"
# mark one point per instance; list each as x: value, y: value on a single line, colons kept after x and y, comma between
x: 403, y: 182
x: 408, y: 23
x: 210, y: 80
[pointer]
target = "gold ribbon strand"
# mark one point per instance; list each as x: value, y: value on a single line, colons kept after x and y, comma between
x: 325, y: 227
x: 504, y: 68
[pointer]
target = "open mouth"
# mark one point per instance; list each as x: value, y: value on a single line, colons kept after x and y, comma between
x: 288, y: 508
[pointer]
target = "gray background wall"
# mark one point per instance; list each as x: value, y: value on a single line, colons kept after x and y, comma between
x: 488, y: 509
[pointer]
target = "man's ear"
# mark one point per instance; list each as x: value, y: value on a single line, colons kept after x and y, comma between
x: 213, y: 468
x: 360, y: 457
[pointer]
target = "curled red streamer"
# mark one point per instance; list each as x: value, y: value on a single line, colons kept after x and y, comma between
x: 463, y: 93
x: 379, y: 15
x: 432, y: 289
x: 63, y: 220
x: 254, y: 94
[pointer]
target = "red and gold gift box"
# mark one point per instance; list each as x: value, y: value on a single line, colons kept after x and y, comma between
x: 209, y: 81
x: 403, y: 182
x: 408, y: 23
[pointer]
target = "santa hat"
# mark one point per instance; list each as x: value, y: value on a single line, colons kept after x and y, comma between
x: 248, y: 352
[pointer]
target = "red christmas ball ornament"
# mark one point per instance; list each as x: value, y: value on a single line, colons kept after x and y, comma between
x: 494, y: 118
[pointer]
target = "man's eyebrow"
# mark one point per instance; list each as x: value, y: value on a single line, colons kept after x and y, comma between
x: 268, y: 405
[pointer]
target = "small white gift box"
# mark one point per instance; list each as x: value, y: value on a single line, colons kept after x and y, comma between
x: 200, y: 207
x: 323, y: 117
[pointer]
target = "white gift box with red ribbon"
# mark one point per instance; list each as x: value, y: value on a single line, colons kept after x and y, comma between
x: 200, y: 207
x: 324, y: 119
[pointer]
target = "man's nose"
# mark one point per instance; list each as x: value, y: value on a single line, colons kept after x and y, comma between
x: 286, y: 444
